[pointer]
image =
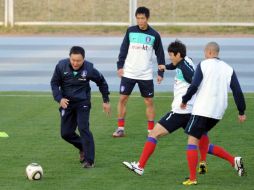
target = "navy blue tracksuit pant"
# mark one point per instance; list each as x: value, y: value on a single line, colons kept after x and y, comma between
x: 77, y: 115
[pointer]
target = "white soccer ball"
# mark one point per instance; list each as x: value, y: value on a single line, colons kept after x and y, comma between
x: 34, y: 171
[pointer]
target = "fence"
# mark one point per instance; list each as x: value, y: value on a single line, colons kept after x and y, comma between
x: 121, y: 12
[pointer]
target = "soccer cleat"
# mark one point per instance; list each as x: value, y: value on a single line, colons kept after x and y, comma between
x: 189, y: 182
x: 202, y: 167
x: 133, y: 166
x: 81, y: 157
x: 118, y: 133
x: 87, y: 165
x: 239, y: 166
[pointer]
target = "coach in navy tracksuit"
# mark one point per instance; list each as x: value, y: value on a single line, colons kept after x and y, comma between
x: 71, y: 89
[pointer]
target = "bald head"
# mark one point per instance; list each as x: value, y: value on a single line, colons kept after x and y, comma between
x: 212, y: 50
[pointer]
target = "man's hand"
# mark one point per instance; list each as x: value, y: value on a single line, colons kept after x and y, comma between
x: 161, y: 67
x: 159, y: 79
x: 106, y: 108
x: 120, y: 72
x: 64, y: 103
x: 241, y: 118
x: 183, y: 106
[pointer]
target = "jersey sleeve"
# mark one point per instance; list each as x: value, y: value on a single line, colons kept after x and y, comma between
x: 238, y: 94
x: 123, y: 51
x: 100, y: 81
x: 170, y: 66
x: 159, y: 52
x: 187, y: 70
x: 197, y: 79
x: 56, y: 84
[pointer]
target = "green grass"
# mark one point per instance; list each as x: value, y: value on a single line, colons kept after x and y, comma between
x: 32, y: 123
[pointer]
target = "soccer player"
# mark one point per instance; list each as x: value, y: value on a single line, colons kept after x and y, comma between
x: 177, y: 117
x: 211, y: 81
x: 71, y: 89
x: 135, y: 66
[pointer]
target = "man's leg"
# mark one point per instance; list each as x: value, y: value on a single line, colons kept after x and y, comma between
x: 126, y: 88
x: 150, y: 113
x: 192, y: 156
x: 68, y: 127
x: 146, y: 88
x: 83, y: 113
x: 167, y: 124
x: 221, y: 153
x: 203, y: 149
x: 121, y: 109
x: 151, y: 142
x: 148, y: 149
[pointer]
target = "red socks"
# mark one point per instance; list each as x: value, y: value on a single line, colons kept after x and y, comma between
x: 150, y: 125
x: 220, y: 152
x: 203, y: 147
x: 147, y: 151
x: 121, y: 123
x: 192, y: 158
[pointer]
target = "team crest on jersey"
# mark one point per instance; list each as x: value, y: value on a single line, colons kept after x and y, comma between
x: 148, y: 39
x: 122, y: 88
x: 83, y: 74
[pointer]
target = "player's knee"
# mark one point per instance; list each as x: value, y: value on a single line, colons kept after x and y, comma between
x: 148, y: 101
x: 154, y: 134
x: 65, y: 135
x: 123, y: 99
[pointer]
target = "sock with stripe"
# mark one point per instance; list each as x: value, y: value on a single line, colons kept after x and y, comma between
x: 148, y: 150
x: 150, y: 125
x: 220, y: 152
x: 121, y: 123
x: 203, y: 147
x: 192, y: 158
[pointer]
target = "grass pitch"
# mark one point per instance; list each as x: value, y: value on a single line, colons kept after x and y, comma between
x: 32, y: 122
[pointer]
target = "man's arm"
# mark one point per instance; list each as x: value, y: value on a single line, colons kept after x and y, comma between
x: 100, y: 81
x: 198, y: 77
x: 170, y: 66
x: 159, y: 52
x: 187, y: 70
x: 238, y: 94
x: 56, y: 84
x: 123, y: 51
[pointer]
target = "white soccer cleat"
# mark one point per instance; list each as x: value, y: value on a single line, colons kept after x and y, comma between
x: 118, y: 133
x: 239, y: 166
x: 133, y: 166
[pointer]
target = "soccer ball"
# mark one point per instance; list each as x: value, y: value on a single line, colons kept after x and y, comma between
x: 34, y: 171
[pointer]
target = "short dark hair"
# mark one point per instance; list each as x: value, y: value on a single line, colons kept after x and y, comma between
x: 77, y: 50
x: 177, y: 47
x: 143, y: 10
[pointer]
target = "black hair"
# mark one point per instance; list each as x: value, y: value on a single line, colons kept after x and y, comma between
x: 177, y: 47
x: 143, y: 10
x: 77, y: 50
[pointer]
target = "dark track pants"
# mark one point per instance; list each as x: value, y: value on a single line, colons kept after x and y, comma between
x: 77, y: 115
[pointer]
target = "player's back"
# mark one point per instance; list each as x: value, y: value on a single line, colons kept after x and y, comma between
x: 212, y: 96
